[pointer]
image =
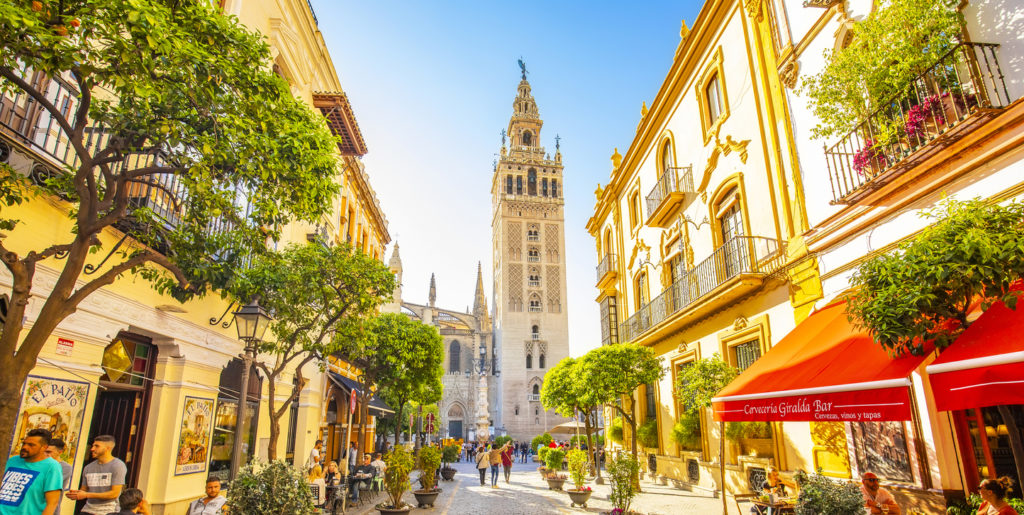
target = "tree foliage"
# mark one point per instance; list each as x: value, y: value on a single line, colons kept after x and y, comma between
x: 614, y: 372
x: 170, y: 97
x: 821, y: 494
x: 399, y: 358
x: 700, y: 380
x: 399, y: 463
x: 316, y: 294
x: 428, y: 460
x: 923, y: 291
x: 623, y: 469
x: 889, y: 48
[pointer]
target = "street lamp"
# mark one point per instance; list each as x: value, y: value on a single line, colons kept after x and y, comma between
x: 251, y: 321
x: 483, y: 359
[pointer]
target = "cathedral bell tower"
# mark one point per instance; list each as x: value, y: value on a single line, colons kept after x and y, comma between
x: 530, y: 317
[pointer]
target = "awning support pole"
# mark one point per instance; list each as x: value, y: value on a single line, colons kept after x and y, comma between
x: 721, y: 464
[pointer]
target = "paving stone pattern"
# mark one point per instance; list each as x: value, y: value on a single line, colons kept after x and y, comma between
x: 528, y: 494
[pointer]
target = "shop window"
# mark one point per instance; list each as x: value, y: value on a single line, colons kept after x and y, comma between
x: 882, y: 448
x: 225, y: 423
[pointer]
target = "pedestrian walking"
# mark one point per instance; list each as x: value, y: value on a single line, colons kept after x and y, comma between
x: 506, y: 461
x: 32, y: 480
x: 482, y: 463
x: 494, y: 457
x: 103, y: 479
x: 353, y: 458
x: 54, y: 450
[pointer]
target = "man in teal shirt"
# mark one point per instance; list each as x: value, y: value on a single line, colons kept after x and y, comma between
x: 32, y: 481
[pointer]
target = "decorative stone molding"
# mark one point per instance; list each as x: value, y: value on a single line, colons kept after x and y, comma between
x: 755, y: 9
x: 722, y: 149
x: 789, y: 72
x: 741, y: 322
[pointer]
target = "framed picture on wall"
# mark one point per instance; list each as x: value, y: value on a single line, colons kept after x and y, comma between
x: 194, y: 436
x: 882, y: 448
x: 57, y: 405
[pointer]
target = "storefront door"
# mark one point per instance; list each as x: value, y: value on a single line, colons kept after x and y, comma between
x: 987, y: 440
x: 123, y: 402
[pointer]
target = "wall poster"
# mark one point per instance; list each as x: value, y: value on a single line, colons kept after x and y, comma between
x: 194, y: 437
x: 54, y: 404
x: 881, y: 447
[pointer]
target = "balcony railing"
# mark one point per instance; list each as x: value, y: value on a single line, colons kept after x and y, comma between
x: 740, y: 255
x: 963, y: 89
x: 533, y: 397
x: 609, y: 264
x: 668, y: 194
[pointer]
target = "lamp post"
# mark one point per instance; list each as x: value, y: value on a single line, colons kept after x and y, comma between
x: 251, y: 321
x: 482, y: 415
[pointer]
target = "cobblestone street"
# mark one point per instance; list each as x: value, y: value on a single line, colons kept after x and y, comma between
x: 527, y: 493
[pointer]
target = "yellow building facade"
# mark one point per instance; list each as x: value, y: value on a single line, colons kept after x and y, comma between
x: 163, y: 376
x: 725, y: 224
x: 698, y: 235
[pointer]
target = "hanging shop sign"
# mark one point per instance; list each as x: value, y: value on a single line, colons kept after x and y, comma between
x: 194, y: 436
x: 57, y: 405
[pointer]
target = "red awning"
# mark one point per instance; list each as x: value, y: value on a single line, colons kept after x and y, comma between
x: 824, y: 370
x: 985, y: 365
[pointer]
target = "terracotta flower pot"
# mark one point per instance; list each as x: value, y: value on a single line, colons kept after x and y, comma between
x: 555, y: 484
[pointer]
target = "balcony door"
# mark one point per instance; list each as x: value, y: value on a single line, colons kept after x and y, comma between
x: 733, y: 252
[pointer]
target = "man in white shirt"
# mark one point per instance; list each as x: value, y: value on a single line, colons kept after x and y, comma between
x: 213, y: 503
x: 102, y: 479
x: 877, y: 499
x: 314, y: 455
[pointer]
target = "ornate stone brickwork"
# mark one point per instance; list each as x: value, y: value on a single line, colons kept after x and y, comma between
x: 553, y: 289
x: 515, y: 287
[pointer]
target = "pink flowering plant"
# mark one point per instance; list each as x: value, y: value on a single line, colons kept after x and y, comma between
x: 866, y: 156
x: 917, y: 116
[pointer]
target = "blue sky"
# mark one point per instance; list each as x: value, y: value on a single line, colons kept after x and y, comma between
x: 432, y: 84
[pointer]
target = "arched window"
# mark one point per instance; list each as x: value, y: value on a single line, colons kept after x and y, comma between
x: 540, y: 361
x: 527, y: 138
x: 533, y: 255
x: 554, y: 188
x: 454, y: 357
x: 535, y: 334
x: 666, y: 157
x: 531, y: 182
x: 517, y: 411
x: 519, y: 185
x: 529, y: 361
x: 534, y: 278
x: 536, y: 389
x: 533, y: 233
x: 508, y: 184
x: 534, y: 303
x: 714, y: 98
x: 544, y: 187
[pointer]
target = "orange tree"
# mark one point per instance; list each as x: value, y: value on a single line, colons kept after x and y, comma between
x: 170, y: 97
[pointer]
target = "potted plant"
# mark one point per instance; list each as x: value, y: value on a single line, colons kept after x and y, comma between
x: 541, y: 455
x: 553, y: 460
x: 449, y: 454
x: 538, y: 441
x: 819, y: 494
x: 249, y: 492
x: 396, y: 480
x: 428, y: 460
x: 686, y: 431
x: 925, y: 120
x: 621, y: 470
x: 578, y: 471
x: 869, y: 160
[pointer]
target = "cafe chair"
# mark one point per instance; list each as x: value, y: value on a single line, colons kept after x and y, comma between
x: 747, y: 499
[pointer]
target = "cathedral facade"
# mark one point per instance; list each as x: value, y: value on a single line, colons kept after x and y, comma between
x: 469, y: 370
x: 528, y: 227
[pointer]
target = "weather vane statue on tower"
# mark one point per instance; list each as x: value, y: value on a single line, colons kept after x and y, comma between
x: 522, y: 67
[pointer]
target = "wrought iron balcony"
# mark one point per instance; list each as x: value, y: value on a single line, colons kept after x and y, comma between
x: 735, y: 269
x: 533, y: 397
x: 961, y: 91
x: 668, y: 195
x: 607, y: 270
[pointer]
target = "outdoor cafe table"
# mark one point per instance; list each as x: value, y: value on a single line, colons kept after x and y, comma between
x: 780, y: 506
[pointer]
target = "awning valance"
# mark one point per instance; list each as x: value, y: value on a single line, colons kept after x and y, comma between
x: 823, y: 370
x: 377, y: 406
x: 985, y: 365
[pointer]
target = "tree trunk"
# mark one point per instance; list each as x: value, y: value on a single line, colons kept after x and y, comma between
x: 275, y: 423
x: 1015, y: 441
x: 364, y: 415
x: 398, y: 422
x: 10, y: 401
x: 590, y: 443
